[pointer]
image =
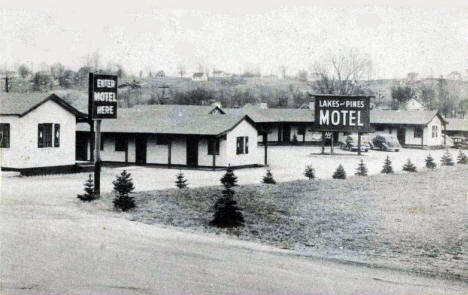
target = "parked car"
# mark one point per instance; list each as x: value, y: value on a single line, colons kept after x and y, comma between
x: 386, y: 142
x: 460, y: 142
x: 351, y: 143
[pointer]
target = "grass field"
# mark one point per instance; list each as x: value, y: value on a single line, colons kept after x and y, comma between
x: 416, y: 222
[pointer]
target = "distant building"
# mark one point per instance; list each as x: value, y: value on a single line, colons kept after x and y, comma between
x: 199, y: 76
x: 37, y: 133
x: 220, y: 74
x: 457, y: 127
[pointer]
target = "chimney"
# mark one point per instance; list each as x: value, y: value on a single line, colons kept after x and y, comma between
x: 263, y: 105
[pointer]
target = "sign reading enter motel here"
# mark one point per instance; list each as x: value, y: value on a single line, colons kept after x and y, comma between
x: 103, y: 96
x: 342, y: 113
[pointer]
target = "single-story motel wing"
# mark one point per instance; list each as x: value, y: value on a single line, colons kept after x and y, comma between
x: 42, y: 133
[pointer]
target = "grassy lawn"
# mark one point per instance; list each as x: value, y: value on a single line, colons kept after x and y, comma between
x: 416, y: 222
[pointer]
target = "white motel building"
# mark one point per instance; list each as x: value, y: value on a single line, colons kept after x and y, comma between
x: 41, y: 133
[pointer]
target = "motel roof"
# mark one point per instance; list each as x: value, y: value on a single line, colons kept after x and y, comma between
x: 457, y: 125
x: 181, y: 109
x: 403, y: 117
x: 260, y: 115
x: 168, y: 121
x: 20, y: 104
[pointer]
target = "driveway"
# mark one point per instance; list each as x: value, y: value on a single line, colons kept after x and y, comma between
x: 51, y: 246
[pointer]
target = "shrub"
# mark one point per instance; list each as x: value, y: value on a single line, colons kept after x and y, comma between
x: 89, y: 194
x: 387, y: 168
x: 181, y: 182
x: 123, y: 186
x: 361, y: 170
x: 409, y: 167
x: 430, y: 163
x: 340, y: 173
x: 309, y: 172
x: 268, y: 178
x: 226, y: 211
x: 462, y: 158
x: 447, y: 159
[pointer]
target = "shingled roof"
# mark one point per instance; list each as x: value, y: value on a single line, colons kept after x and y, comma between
x: 457, y: 125
x: 403, y: 117
x: 168, y: 121
x: 19, y: 104
x: 260, y: 115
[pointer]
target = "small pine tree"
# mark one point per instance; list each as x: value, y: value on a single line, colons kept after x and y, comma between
x: 430, y: 163
x: 123, y: 186
x: 462, y: 158
x: 447, y: 159
x: 361, y: 170
x: 387, y: 168
x: 309, y: 172
x: 268, y: 178
x: 227, y: 213
x: 181, y: 182
x: 409, y: 167
x: 89, y: 194
x: 340, y: 173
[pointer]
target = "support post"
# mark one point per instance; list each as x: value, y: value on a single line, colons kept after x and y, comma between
x: 445, y: 134
x: 97, y: 160
x: 169, y: 151
x: 422, y: 138
x: 359, y: 143
x: 323, y: 142
x: 265, y: 141
x: 91, y: 140
x: 214, y: 153
x: 332, y: 142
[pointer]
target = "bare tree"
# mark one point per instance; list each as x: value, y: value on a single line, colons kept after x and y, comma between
x: 341, y: 74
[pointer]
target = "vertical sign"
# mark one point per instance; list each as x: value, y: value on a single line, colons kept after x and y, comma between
x: 103, y: 96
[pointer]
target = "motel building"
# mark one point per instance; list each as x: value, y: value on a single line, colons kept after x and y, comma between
x: 175, y: 136
x: 37, y: 133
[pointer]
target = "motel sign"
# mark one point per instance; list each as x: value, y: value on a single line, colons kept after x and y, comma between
x: 103, y: 96
x: 342, y: 113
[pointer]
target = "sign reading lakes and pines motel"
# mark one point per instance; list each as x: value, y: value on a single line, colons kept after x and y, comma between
x: 103, y: 96
x: 342, y: 113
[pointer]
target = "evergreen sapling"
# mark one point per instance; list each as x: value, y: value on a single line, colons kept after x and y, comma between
x: 430, y: 163
x: 123, y: 186
x: 387, y: 168
x: 268, y: 178
x: 409, y: 167
x: 340, y: 173
x: 89, y: 194
x: 181, y: 182
x: 447, y: 159
x: 361, y: 169
x: 227, y: 213
x: 309, y: 172
x: 462, y: 158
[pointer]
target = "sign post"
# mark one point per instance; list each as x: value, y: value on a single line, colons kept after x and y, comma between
x: 102, y: 104
x: 340, y: 113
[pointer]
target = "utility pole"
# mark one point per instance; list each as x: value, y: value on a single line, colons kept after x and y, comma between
x: 7, y: 88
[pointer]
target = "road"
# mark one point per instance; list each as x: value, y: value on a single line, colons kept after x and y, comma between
x: 49, y: 245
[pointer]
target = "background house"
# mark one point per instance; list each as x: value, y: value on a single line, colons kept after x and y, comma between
x: 457, y: 127
x: 37, y: 133
x: 176, y: 135
x: 200, y: 77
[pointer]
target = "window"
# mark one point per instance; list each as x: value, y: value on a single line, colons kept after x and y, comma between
x: 390, y: 130
x: 4, y: 135
x: 346, y: 133
x: 418, y: 132
x: 379, y: 128
x: 213, y: 146
x: 435, y: 131
x: 301, y: 130
x: 120, y: 143
x: 242, y: 146
x: 101, y: 146
x: 56, y: 135
x: 44, y: 135
x: 162, y: 139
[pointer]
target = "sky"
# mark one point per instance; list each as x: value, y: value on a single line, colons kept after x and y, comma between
x: 236, y: 36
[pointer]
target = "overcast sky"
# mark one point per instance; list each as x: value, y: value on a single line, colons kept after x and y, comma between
x: 242, y: 35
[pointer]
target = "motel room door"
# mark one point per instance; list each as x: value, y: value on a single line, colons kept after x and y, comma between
x: 286, y: 133
x: 81, y: 150
x: 401, y: 132
x: 192, y: 151
x: 140, y: 149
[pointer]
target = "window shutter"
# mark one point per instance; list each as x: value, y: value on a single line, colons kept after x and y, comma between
x: 239, y: 142
x: 6, y: 135
x: 246, y: 145
x: 56, y: 135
